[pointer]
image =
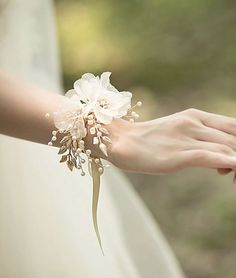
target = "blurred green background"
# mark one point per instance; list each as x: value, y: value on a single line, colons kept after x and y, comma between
x: 173, y: 55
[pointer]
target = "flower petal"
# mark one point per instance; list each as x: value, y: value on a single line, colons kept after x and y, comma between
x: 88, y: 76
x: 71, y: 93
x: 105, y: 79
x: 119, y: 103
x: 85, y: 88
x: 103, y: 116
x: 79, y: 131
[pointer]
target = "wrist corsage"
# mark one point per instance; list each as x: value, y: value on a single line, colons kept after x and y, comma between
x: 86, y: 110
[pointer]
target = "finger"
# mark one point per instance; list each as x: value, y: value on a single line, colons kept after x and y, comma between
x: 224, y: 171
x: 223, y: 123
x: 212, y: 147
x: 208, y: 159
x: 209, y: 134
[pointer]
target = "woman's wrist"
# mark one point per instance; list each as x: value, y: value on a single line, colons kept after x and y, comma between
x: 125, y: 140
x: 117, y: 130
x: 22, y: 109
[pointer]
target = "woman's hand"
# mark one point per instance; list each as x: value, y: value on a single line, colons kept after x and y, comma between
x: 191, y: 138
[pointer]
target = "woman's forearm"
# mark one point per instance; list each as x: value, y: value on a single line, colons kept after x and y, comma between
x: 22, y: 110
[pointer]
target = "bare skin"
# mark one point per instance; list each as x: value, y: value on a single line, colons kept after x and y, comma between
x: 191, y: 138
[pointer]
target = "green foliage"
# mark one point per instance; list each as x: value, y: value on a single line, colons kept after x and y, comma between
x: 171, y: 47
x: 175, y: 54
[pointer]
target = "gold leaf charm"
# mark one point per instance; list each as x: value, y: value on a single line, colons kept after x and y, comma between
x: 107, y: 139
x: 104, y: 130
x: 70, y: 164
x: 63, y: 158
x: 62, y: 149
x: 103, y: 148
x: 68, y: 142
x: 74, y: 162
x: 64, y: 139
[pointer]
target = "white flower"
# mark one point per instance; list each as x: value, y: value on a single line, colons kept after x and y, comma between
x: 70, y: 117
x: 100, y: 97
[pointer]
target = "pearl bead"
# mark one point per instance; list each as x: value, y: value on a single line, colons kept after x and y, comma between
x: 78, y: 150
x: 97, y: 160
x: 47, y: 115
x: 81, y: 142
x: 98, y: 125
x: 82, y: 160
x: 49, y: 143
x: 92, y: 130
x: 54, y: 138
x: 54, y: 132
x: 133, y: 114
x: 88, y: 152
x: 95, y: 141
x: 74, y: 138
x: 131, y: 120
x: 90, y: 122
x: 136, y: 116
x: 90, y: 117
x: 100, y: 170
x: 82, y: 173
x: 139, y: 103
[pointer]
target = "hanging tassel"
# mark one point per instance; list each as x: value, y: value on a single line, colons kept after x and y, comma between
x: 96, y: 187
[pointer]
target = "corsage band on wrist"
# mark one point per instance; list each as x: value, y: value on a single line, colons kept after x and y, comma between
x: 86, y: 110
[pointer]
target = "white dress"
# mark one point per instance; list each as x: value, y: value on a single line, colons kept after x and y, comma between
x: 46, y: 228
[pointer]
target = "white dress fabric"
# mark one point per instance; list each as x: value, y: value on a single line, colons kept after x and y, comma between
x: 46, y: 228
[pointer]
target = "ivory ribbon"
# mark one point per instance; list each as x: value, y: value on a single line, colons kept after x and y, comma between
x: 96, y: 187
